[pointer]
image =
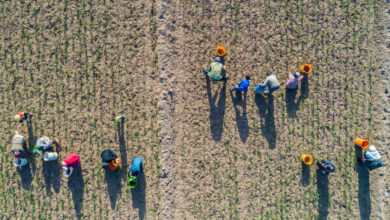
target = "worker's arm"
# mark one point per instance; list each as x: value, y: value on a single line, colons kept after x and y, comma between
x: 240, y: 83
x: 290, y: 76
x: 264, y: 83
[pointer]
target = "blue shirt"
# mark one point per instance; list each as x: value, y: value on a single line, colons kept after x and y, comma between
x: 137, y: 166
x: 243, y: 85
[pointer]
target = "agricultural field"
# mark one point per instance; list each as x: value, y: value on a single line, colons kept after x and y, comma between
x: 208, y: 153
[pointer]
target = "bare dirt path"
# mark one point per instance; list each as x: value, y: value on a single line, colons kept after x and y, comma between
x: 165, y: 51
x: 381, y: 178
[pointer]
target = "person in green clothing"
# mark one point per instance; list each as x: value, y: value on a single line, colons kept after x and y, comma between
x: 216, y: 71
x: 118, y: 119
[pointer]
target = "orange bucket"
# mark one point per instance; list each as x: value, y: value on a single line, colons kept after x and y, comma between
x: 221, y: 51
x: 114, y: 164
x: 307, y: 68
x: 307, y: 159
x: 362, y: 143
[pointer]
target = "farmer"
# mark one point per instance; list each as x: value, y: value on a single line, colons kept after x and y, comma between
x: 44, y: 144
x: 20, y: 117
x: 17, y: 148
x: 243, y: 85
x: 108, y: 156
x: 118, y: 119
x: 72, y: 161
x: 326, y: 166
x: 293, y: 80
x: 135, y: 171
x: 372, y: 158
x: 271, y: 83
x: 216, y: 71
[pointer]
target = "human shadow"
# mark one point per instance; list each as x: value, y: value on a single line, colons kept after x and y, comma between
x: 267, y: 119
x: 291, y: 103
x: 138, y: 196
x: 25, y: 175
x: 217, y: 110
x: 323, y: 192
x: 364, y: 187
x: 305, y: 180
x: 31, y: 136
x: 31, y: 143
x: 76, y: 185
x: 305, y: 90
x: 51, y: 172
x: 114, y: 186
x: 122, y: 145
x: 241, y: 119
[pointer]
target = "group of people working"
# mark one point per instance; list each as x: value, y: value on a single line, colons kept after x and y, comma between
x: 45, y: 147
x: 216, y: 71
x: 111, y: 161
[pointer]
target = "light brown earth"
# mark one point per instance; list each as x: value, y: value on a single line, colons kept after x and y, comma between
x: 208, y: 154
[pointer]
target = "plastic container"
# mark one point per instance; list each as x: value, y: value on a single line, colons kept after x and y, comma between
x: 132, y: 182
x: 307, y: 159
x: 67, y: 171
x: 362, y: 143
x: 20, y: 162
x: 114, y: 164
x: 37, y: 152
x: 307, y: 68
x: 49, y: 156
x: 221, y: 51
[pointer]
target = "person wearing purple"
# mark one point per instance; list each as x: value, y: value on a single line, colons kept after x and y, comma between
x: 293, y: 80
x: 243, y: 85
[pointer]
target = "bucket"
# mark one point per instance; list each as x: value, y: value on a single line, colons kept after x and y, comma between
x: 132, y: 182
x: 49, y: 156
x: 221, y: 51
x: 67, y: 171
x: 362, y: 143
x: 20, y: 162
x: 307, y: 68
x: 307, y: 159
x: 114, y: 164
x: 37, y: 152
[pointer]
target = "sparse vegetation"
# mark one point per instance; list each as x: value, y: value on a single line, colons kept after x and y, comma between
x: 76, y: 64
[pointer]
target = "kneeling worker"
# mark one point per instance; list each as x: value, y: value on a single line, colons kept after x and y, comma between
x: 44, y: 144
x: 22, y: 116
x: 372, y: 159
x: 326, y: 166
x: 216, y: 71
x: 72, y: 161
x: 135, y: 171
x: 110, y: 159
x: 17, y: 148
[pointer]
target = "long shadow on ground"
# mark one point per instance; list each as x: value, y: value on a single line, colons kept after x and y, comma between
x: 25, y: 171
x: 51, y: 171
x: 217, y: 110
x: 291, y: 103
x: 305, y: 180
x: 114, y: 186
x: 241, y: 119
x: 122, y: 146
x: 305, y: 90
x: 323, y: 192
x: 267, y: 119
x: 25, y: 175
x: 364, y: 187
x: 138, y: 196
x: 76, y: 185
x: 31, y: 144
